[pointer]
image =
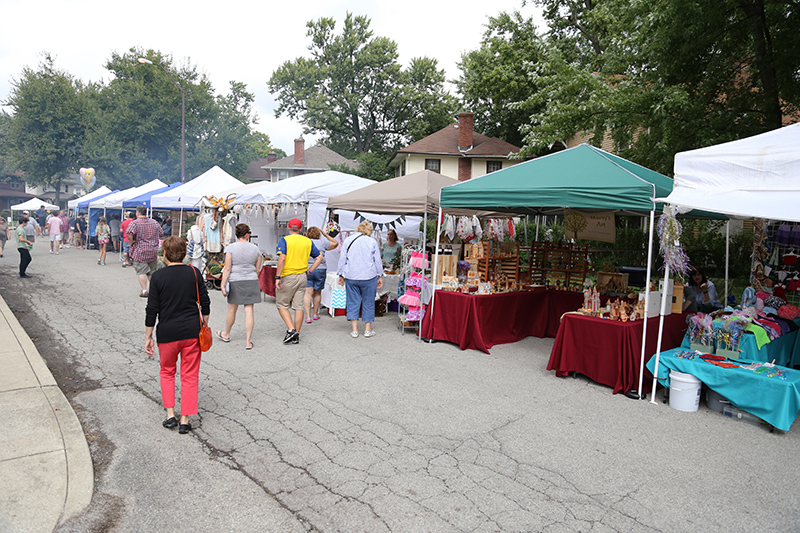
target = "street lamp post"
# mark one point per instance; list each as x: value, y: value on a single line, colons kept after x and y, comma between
x: 145, y: 61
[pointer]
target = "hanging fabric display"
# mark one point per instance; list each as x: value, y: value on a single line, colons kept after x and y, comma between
x: 464, y: 228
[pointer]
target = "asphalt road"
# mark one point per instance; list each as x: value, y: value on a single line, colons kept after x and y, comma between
x: 380, y: 434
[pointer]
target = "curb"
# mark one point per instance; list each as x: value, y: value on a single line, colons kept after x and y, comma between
x: 78, y: 486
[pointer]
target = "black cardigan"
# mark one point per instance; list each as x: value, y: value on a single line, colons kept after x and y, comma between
x: 173, y: 299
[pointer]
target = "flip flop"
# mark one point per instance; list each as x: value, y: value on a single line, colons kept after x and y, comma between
x: 249, y: 347
x: 223, y: 339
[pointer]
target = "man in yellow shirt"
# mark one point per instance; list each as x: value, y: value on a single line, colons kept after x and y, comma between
x: 294, y: 251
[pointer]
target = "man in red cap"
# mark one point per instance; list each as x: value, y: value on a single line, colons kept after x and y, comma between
x: 290, y: 278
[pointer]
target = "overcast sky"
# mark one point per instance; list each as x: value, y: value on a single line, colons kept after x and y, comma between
x: 236, y: 40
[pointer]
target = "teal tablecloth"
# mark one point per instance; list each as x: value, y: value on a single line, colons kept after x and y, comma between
x: 784, y: 350
x: 770, y: 398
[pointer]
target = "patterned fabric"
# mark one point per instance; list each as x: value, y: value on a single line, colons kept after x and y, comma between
x: 774, y: 302
x: 339, y: 299
x: 146, y: 233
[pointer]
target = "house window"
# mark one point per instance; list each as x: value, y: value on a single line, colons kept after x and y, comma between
x: 15, y: 184
x: 283, y: 174
x: 434, y: 165
x: 66, y: 188
x: 493, y: 166
x: 403, y: 168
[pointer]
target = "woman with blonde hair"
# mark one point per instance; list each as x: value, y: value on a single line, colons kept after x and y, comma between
x: 315, y: 281
x: 103, y: 233
x: 361, y: 272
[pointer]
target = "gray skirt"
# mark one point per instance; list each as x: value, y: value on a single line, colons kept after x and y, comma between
x: 244, y: 292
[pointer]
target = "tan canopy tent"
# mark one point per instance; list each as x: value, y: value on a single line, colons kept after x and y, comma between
x: 413, y: 194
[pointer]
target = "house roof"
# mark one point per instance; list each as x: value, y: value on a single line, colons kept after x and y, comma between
x: 255, y: 171
x: 445, y: 142
x: 316, y: 158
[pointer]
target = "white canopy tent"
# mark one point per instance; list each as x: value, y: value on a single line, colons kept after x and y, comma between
x: 303, y: 196
x: 114, y: 201
x: 72, y: 204
x: 33, y: 204
x: 188, y: 196
x: 754, y: 177
x: 757, y: 176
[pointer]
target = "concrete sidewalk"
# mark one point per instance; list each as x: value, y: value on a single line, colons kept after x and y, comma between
x: 45, y: 466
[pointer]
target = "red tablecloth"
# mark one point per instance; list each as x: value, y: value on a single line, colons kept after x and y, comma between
x: 266, y: 279
x: 609, y: 352
x: 479, y: 321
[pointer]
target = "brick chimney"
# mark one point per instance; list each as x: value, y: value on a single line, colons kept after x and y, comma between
x: 465, y: 122
x: 300, y: 151
x: 464, y: 168
x: 272, y: 157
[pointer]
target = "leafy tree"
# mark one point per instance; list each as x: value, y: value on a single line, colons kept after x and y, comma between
x: 263, y: 146
x: 6, y: 166
x: 493, y: 83
x: 353, y: 90
x: 664, y: 76
x: 50, y: 116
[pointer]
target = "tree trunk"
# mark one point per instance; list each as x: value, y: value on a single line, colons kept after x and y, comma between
x: 58, y: 192
x: 762, y: 46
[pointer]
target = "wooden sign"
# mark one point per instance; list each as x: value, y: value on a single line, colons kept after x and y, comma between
x: 597, y: 226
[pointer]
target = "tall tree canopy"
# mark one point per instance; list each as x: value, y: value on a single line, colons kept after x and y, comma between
x: 353, y: 91
x: 494, y: 84
x: 50, y: 116
x: 128, y: 129
x: 666, y: 75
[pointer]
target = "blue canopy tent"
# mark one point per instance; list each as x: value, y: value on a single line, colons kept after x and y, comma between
x: 144, y: 199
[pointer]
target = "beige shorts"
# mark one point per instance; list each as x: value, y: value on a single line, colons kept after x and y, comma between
x: 145, y: 269
x: 293, y: 288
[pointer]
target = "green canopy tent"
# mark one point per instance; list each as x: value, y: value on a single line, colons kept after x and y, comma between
x: 583, y: 177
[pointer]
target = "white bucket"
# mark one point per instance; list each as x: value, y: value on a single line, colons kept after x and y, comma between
x: 684, y: 391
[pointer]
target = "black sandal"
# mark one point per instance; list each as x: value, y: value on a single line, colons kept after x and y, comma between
x: 183, y: 429
x: 170, y: 423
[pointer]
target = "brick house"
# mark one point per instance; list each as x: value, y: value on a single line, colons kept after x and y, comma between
x: 455, y: 151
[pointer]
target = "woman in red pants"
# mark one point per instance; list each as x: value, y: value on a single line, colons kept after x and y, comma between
x: 174, y: 292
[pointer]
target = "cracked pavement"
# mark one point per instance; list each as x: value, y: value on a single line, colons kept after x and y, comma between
x: 380, y: 434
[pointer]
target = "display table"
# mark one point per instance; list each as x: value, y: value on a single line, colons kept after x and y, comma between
x: 783, y: 350
x: 479, y: 321
x: 609, y: 351
x: 772, y: 399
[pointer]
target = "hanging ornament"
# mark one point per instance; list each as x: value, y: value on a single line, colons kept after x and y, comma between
x: 669, y: 231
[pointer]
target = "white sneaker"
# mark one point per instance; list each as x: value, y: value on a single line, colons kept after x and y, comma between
x: 369, y: 333
x: 354, y: 334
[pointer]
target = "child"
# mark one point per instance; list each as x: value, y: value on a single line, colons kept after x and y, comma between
x: 103, y: 233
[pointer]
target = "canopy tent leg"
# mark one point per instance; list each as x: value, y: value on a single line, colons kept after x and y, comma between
x: 727, y: 258
x: 525, y: 225
x: 424, y: 246
x: 435, y: 265
x: 537, y: 228
x: 638, y: 394
x: 180, y: 223
x: 660, y: 334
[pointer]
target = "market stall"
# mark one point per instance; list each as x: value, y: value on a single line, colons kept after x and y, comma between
x: 404, y: 198
x: 187, y: 197
x: 86, y: 198
x: 757, y: 176
x: 583, y: 177
x: 770, y: 393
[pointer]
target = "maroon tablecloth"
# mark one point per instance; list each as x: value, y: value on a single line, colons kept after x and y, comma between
x: 609, y: 352
x: 479, y: 321
x: 266, y: 279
